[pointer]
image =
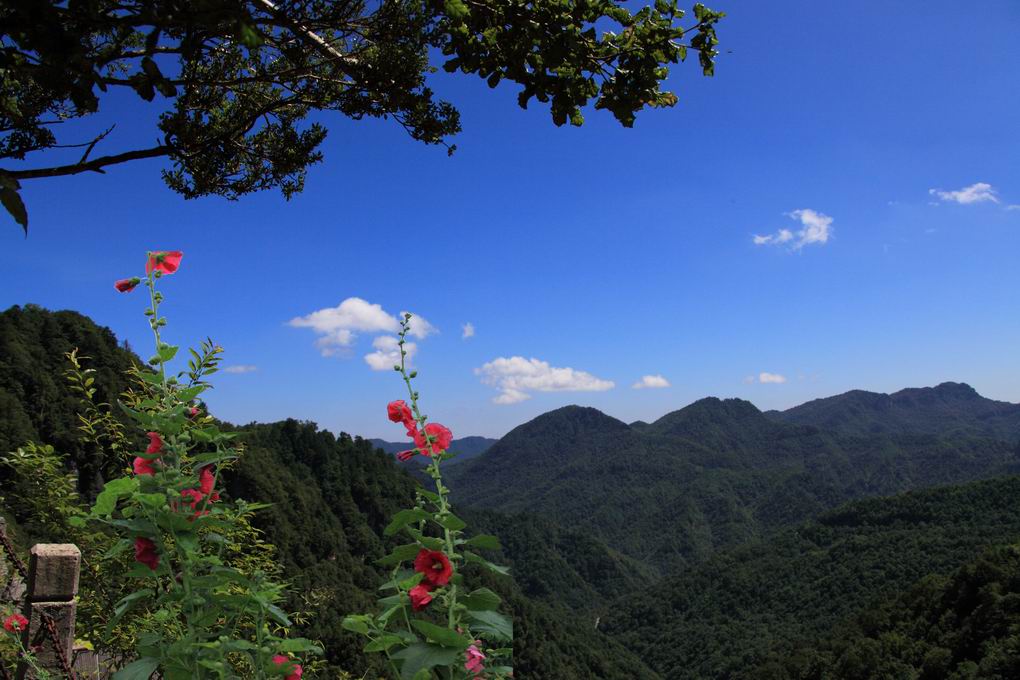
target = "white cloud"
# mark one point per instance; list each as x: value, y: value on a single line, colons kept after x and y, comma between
x: 771, y: 378
x: 975, y: 193
x: 387, y: 353
x: 515, y: 377
x: 1013, y: 207
x: 468, y: 330
x: 816, y: 228
x: 338, y: 326
x: 240, y: 368
x: 650, y: 382
x: 749, y: 380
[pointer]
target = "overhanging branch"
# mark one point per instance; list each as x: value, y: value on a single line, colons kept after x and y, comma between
x: 94, y: 165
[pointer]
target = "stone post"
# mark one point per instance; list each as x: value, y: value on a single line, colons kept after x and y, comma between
x: 52, y: 588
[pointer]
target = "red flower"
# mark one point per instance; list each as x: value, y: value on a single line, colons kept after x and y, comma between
x: 143, y: 466
x: 145, y: 552
x: 405, y: 456
x: 206, y: 480
x: 398, y: 411
x: 15, y: 623
x: 421, y: 596
x: 126, y: 285
x: 441, y: 438
x: 295, y: 670
x: 166, y: 261
x: 474, y: 658
x: 155, y: 443
x: 193, y: 411
x: 435, y: 565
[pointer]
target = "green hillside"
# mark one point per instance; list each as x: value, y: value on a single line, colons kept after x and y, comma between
x: 714, y: 475
x: 724, y: 617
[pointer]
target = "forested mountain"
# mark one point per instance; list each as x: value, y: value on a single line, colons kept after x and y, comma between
x: 947, y: 409
x: 465, y: 448
x: 331, y: 497
x: 724, y: 617
x: 715, y: 474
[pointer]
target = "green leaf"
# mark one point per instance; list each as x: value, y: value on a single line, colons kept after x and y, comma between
x: 484, y: 541
x: 355, y: 624
x: 401, y: 553
x: 382, y: 644
x: 106, y: 501
x: 403, y: 518
x: 297, y: 645
x: 471, y: 557
x: 168, y: 352
x: 494, y: 624
x: 452, y: 522
x: 11, y: 200
x: 482, y: 599
x: 440, y: 635
x: 279, y: 615
x: 127, y: 602
x: 137, y: 670
x: 423, y: 656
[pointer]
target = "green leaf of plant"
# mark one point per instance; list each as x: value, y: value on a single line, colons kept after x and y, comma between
x: 383, y: 643
x: 452, y: 522
x: 168, y: 352
x: 137, y: 670
x: 423, y: 656
x: 127, y: 602
x: 482, y: 599
x: 403, y: 518
x: 106, y: 501
x: 355, y: 624
x: 471, y: 557
x: 401, y: 553
x: 484, y: 541
x: 494, y: 624
x: 440, y: 635
x: 12, y: 202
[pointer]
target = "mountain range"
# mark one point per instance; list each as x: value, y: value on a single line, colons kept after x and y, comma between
x: 824, y: 541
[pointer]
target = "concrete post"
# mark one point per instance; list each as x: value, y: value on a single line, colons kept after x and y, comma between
x: 52, y: 588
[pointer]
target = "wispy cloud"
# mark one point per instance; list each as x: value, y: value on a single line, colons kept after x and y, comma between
x: 1013, y: 207
x: 387, y: 353
x: 766, y: 378
x: 979, y: 192
x: 816, y: 228
x: 338, y: 327
x: 650, y: 382
x: 516, y: 377
x: 467, y: 330
x: 240, y: 368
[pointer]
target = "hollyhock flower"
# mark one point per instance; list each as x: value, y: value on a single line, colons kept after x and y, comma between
x: 421, y: 595
x: 206, y: 480
x: 435, y: 565
x: 145, y: 552
x: 399, y: 412
x: 474, y: 660
x: 15, y: 623
x: 155, y: 443
x: 295, y: 670
x: 441, y: 438
x: 143, y: 466
x: 126, y: 285
x: 193, y: 411
x: 405, y: 456
x: 166, y: 261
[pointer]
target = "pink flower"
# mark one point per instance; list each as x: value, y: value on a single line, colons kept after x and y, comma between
x: 441, y: 438
x: 405, y: 456
x: 166, y: 261
x: 15, y: 623
x: 155, y: 443
x: 474, y: 660
x: 145, y: 552
x: 295, y: 670
x: 399, y: 412
x: 421, y: 595
x: 126, y: 285
x: 435, y: 565
x: 143, y: 466
x: 193, y: 411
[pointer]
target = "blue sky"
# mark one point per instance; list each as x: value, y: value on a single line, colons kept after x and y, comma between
x: 615, y: 253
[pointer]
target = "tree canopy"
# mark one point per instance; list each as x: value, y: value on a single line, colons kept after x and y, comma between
x: 238, y: 79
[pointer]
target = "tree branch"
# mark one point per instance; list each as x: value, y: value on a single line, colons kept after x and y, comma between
x: 94, y: 165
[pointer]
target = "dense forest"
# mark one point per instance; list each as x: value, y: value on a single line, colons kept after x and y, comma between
x: 858, y: 537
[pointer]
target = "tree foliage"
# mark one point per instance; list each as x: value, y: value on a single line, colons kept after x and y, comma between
x: 238, y: 81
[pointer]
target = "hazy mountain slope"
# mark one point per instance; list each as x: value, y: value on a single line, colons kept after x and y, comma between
x: 466, y: 448
x: 713, y: 475
x: 722, y: 617
x: 947, y: 409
